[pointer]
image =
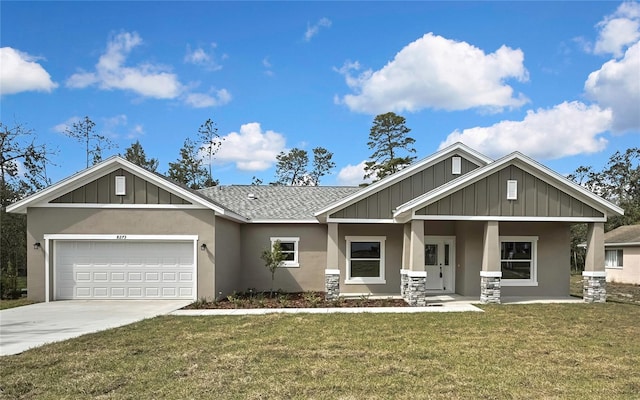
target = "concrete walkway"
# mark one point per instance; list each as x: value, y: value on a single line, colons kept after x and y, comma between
x: 25, y: 327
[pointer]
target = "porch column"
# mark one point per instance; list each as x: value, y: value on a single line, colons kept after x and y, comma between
x: 491, y: 273
x: 332, y: 271
x: 594, y: 277
x: 406, y: 255
x: 416, y: 289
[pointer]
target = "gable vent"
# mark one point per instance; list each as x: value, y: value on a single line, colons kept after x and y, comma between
x: 456, y: 165
x: 512, y: 190
x: 121, y: 187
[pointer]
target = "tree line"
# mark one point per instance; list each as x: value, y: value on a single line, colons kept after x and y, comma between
x: 392, y: 150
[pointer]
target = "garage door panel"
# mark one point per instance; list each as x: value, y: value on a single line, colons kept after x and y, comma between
x: 131, y: 270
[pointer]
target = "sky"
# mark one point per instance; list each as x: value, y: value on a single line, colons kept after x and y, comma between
x: 557, y: 81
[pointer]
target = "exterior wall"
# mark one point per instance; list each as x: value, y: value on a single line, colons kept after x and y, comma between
x: 468, y: 257
x: 488, y: 196
x: 41, y: 221
x: 102, y: 190
x: 630, y: 271
x: 312, y: 257
x: 393, y: 257
x: 228, y: 255
x: 380, y: 205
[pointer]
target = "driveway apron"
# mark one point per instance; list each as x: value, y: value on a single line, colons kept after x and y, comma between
x: 22, y: 328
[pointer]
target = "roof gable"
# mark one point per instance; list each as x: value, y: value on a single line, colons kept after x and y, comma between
x: 384, y: 195
x: 102, y: 191
x: 564, y: 197
x: 79, y: 188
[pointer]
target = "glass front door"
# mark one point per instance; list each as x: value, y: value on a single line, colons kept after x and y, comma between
x: 438, y: 259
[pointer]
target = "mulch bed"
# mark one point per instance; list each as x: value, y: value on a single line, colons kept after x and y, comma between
x: 291, y: 300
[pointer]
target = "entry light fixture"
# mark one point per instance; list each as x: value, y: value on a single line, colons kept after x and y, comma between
x: 36, y: 245
x: 203, y: 246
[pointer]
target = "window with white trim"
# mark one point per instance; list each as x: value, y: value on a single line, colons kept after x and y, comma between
x: 289, y: 248
x: 365, y: 259
x: 613, y: 258
x: 518, y: 260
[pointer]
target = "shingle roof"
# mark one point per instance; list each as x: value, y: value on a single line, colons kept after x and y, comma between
x: 623, y: 234
x: 277, y: 202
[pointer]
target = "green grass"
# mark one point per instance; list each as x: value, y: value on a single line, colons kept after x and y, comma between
x: 561, y: 351
x: 4, y: 304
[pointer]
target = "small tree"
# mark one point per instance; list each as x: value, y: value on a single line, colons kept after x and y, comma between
x: 211, y: 141
x: 188, y: 168
x: 83, y: 131
x: 388, y: 136
x: 292, y: 167
x: 135, y: 153
x: 273, y: 259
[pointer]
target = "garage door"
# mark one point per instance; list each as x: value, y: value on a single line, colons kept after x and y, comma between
x: 104, y: 269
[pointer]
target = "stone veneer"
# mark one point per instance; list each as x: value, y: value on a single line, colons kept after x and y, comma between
x: 490, y: 283
x: 416, y: 288
x: 594, y: 286
x: 404, y: 282
x: 331, y: 284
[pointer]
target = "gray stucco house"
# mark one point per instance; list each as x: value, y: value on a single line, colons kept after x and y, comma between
x: 454, y: 222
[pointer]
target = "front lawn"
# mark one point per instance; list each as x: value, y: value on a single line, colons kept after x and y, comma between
x: 509, y: 352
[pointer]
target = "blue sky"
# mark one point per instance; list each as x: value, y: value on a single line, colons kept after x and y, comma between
x: 558, y: 81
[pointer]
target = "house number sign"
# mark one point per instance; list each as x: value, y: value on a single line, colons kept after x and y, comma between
x: 121, y: 237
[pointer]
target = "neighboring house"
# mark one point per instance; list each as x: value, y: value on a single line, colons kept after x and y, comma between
x: 454, y: 222
x: 622, y: 254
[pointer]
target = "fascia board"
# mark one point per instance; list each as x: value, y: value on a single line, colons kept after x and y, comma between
x: 392, y: 179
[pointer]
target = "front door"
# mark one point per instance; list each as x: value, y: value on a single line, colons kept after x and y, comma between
x: 439, y: 253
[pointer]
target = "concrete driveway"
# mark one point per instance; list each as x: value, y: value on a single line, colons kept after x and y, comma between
x: 22, y: 328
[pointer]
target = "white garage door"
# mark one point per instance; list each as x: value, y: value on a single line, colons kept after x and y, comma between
x: 103, y: 269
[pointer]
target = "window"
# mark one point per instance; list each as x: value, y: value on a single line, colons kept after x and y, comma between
x: 289, y: 248
x: 613, y: 258
x: 518, y: 259
x: 365, y: 259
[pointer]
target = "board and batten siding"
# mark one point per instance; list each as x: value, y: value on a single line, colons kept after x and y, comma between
x: 380, y: 205
x: 103, y: 189
x: 488, y: 197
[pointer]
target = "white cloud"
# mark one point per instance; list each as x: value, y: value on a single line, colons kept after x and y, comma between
x: 145, y: 79
x: 313, y: 30
x: 20, y: 73
x: 199, y: 56
x: 435, y: 72
x: 203, y: 100
x: 63, y: 126
x: 352, y: 175
x: 251, y: 149
x: 564, y: 130
x: 618, y: 30
x: 616, y: 85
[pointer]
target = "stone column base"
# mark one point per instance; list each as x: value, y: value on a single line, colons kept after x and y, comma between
x: 331, y: 284
x: 594, y: 286
x: 404, y: 282
x: 490, y: 287
x: 416, y: 289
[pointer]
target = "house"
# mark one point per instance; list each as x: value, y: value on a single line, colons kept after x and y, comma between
x: 454, y: 222
x: 622, y: 254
